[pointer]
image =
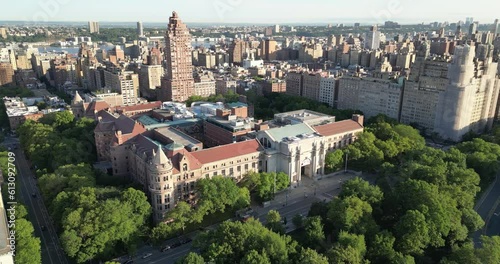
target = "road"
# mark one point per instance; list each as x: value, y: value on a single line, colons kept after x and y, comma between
x: 297, y: 201
x: 37, y: 212
x: 488, y: 207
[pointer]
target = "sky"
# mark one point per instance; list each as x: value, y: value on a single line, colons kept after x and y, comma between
x: 252, y: 11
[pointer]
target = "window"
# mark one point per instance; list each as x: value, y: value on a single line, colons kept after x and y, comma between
x: 185, y: 167
x: 215, y: 173
x: 239, y: 168
x: 246, y: 166
x: 224, y: 172
x: 179, y: 178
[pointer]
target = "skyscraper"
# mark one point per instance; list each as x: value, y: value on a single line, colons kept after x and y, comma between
x: 496, y: 27
x: 140, y: 29
x: 372, y: 40
x: 178, y: 84
x: 94, y: 27
x: 473, y: 28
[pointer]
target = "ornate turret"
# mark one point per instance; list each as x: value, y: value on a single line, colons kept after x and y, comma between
x: 160, y: 183
x: 77, y: 106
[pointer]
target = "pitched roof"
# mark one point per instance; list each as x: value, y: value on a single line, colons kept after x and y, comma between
x: 96, y: 106
x: 159, y: 156
x: 227, y: 151
x: 77, y: 99
x: 338, y: 127
x: 289, y: 131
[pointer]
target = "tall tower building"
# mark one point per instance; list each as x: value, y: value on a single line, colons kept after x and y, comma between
x: 140, y: 29
x: 372, y: 40
x: 496, y: 27
x: 94, y: 27
x: 473, y: 28
x: 178, y: 84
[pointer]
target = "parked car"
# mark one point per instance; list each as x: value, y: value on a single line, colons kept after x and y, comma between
x: 147, y: 255
x: 128, y: 262
x: 165, y: 248
x: 186, y: 240
x: 33, y: 195
x: 176, y: 244
x: 43, y: 228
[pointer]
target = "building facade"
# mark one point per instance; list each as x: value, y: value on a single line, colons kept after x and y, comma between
x: 178, y: 83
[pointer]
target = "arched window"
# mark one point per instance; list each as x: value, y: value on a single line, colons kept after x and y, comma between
x: 185, y: 167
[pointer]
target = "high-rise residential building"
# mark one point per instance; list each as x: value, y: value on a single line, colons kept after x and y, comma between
x: 237, y: 51
x: 6, y: 74
x: 3, y: 32
x: 140, y: 29
x: 372, y: 40
x: 327, y: 89
x: 473, y: 28
x: 373, y: 96
x: 495, y: 30
x: 224, y: 85
x: 150, y: 77
x: 124, y: 82
x: 178, y: 84
x: 93, y: 27
x: 276, y: 28
x: 204, y: 84
x: 268, y: 48
x: 294, y: 83
x: 470, y: 99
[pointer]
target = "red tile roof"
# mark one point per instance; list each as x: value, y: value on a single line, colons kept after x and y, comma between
x: 227, y: 151
x: 95, y: 106
x: 338, y: 128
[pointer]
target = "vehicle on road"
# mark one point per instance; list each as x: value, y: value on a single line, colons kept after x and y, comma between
x: 147, y: 255
x: 165, y: 248
x: 43, y: 228
x: 186, y: 240
x: 128, y: 262
x: 176, y: 244
x: 33, y: 195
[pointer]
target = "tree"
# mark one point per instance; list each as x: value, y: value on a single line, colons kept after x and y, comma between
x: 490, y: 250
x: 192, y: 258
x: 352, y: 215
x: 253, y: 257
x: 350, y: 248
x: 334, y: 160
x: 413, y: 233
x: 59, y: 120
x: 28, y: 249
x: 362, y: 189
x: 298, y: 221
x: 314, y: 235
x: 309, y: 256
x: 274, y: 224
x: 180, y: 215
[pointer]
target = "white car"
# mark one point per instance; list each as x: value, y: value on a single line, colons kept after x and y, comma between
x: 147, y: 255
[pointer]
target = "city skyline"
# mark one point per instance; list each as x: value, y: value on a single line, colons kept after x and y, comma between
x: 231, y: 11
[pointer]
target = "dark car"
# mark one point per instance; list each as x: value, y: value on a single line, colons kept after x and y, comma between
x: 186, y: 240
x: 128, y: 262
x: 33, y: 195
x: 43, y: 228
x: 165, y: 248
x: 176, y: 244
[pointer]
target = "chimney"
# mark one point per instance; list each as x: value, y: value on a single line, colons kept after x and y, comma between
x: 359, y: 119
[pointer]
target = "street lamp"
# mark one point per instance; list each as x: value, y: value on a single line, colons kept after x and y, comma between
x: 346, y: 157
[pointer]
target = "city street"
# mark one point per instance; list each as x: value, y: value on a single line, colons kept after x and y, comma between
x: 488, y: 207
x: 37, y: 212
x: 288, y: 203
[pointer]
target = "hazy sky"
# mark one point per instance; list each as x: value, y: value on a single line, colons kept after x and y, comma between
x: 252, y: 11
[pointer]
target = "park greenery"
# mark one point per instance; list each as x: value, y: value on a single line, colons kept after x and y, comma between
x: 216, y: 195
x: 95, y: 222
x: 265, y: 185
x: 420, y: 211
x: 266, y: 107
x: 250, y: 242
x: 229, y: 97
x: 28, y: 249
